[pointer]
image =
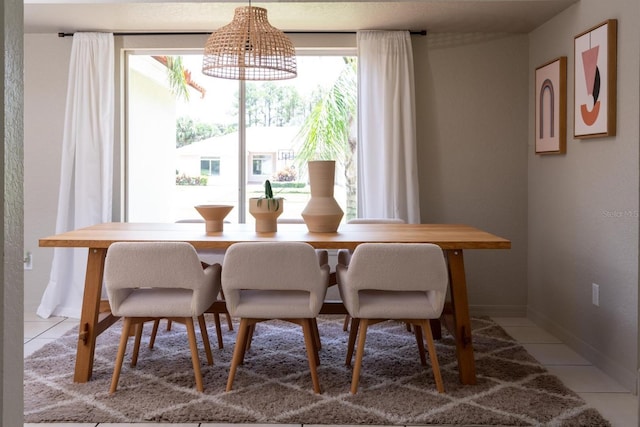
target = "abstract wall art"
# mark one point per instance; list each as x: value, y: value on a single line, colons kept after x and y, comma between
x: 551, y: 107
x: 595, y: 69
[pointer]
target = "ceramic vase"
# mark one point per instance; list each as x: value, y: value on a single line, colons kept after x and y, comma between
x: 322, y: 214
x: 265, y: 213
x: 213, y: 216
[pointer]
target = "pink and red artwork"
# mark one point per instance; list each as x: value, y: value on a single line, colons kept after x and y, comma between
x: 551, y: 107
x: 595, y: 81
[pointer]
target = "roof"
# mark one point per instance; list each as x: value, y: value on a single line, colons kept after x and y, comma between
x: 187, y: 76
x: 259, y: 139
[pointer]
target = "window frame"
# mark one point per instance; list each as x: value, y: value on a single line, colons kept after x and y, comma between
x: 305, y: 44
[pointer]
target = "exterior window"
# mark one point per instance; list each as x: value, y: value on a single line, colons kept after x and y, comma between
x: 261, y: 167
x: 210, y: 166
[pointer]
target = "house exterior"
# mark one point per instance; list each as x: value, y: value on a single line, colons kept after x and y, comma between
x: 269, y: 150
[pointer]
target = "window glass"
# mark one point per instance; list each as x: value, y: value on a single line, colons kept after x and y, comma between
x: 184, y: 146
x: 210, y: 166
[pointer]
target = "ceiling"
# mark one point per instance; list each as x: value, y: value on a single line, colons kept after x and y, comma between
x: 435, y: 16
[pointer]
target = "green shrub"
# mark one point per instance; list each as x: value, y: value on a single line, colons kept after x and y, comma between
x: 290, y: 184
x: 184, y: 179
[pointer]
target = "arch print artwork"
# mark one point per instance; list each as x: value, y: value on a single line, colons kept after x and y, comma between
x: 595, y: 56
x: 551, y: 107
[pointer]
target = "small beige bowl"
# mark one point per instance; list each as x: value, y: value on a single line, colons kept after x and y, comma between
x: 213, y: 216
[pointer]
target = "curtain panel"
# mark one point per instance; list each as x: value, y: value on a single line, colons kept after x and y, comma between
x: 86, y: 177
x: 387, y: 165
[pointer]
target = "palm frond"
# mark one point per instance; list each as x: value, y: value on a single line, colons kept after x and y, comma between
x: 325, y: 133
x: 177, y: 77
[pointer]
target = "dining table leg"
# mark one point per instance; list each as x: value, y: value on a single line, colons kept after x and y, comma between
x: 88, y: 328
x: 461, y: 318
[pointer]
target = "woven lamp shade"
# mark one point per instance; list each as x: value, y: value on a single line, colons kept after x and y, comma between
x: 249, y: 48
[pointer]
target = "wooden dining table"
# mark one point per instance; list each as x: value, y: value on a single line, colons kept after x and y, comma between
x: 96, y: 316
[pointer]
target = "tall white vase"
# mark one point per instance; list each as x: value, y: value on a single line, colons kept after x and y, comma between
x: 322, y: 214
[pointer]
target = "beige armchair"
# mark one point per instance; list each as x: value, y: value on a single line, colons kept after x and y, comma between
x: 406, y: 282
x: 274, y: 280
x: 344, y: 255
x: 207, y: 257
x: 150, y: 280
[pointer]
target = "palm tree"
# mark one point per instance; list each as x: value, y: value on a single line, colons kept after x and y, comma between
x: 328, y: 132
x: 177, y: 77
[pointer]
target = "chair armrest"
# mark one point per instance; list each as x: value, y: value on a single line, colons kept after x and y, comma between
x: 344, y: 257
x: 207, y: 294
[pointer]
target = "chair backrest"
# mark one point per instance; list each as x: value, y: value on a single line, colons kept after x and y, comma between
x: 394, y: 267
x: 376, y: 221
x: 397, y: 267
x: 152, y: 265
x: 344, y: 255
x: 290, y: 221
x: 283, y: 266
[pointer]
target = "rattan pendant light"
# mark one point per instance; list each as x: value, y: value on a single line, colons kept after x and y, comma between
x: 249, y: 48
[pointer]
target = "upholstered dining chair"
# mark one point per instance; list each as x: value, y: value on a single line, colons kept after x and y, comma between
x: 344, y: 255
x: 274, y: 280
x: 150, y: 280
x: 207, y: 257
x: 400, y: 281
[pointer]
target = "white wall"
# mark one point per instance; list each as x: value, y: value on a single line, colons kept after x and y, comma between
x: 46, y: 66
x: 472, y: 139
x: 583, y: 206
x: 11, y: 293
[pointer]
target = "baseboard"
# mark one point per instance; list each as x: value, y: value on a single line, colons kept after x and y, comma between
x: 498, y: 310
x: 627, y: 378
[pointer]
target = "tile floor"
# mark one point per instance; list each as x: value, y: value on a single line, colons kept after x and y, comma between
x: 614, y: 402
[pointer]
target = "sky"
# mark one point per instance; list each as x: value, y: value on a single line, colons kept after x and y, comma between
x: 217, y: 104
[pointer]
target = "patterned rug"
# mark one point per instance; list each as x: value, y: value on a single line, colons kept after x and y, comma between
x: 274, y: 385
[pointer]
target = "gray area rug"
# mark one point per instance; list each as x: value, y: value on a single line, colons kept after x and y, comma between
x: 274, y: 385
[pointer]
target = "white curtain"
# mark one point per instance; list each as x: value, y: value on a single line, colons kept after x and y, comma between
x: 387, y: 165
x: 87, y: 166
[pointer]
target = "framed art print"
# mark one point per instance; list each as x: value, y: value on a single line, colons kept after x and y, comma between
x: 595, y: 57
x: 551, y: 107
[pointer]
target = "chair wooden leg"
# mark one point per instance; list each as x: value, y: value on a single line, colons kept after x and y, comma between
x: 364, y: 324
x: 352, y: 340
x: 247, y: 339
x: 433, y: 356
x: 205, y: 339
x: 252, y: 329
x: 345, y: 325
x: 312, y: 351
x: 316, y: 334
x: 168, y: 325
x: 436, y: 328
x: 238, y: 351
x: 122, y: 348
x: 191, y: 333
x: 136, y: 345
x: 229, y: 322
x: 154, y: 332
x: 216, y: 319
x: 418, y: 332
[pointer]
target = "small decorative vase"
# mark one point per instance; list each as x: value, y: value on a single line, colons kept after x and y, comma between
x: 322, y: 214
x: 265, y: 213
x: 213, y: 216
